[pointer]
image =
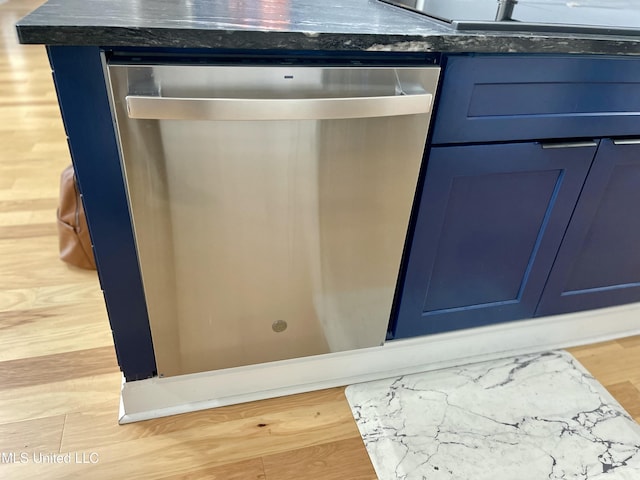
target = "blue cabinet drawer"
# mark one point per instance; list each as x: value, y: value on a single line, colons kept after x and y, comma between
x: 488, y: 98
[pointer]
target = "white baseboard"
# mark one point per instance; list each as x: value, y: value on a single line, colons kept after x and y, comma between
x: 159, y: 397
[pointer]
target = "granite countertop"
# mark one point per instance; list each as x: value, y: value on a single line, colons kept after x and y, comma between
x: 284, y: 24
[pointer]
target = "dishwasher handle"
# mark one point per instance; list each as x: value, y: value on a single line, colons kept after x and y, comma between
x: 172, y: 108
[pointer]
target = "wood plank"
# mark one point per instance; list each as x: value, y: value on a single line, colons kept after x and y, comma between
x: 629, y: 342
x: 94, y: 393
x: 31, y: 470
x: 197, y: 446
x: 40, y: 434
x: 85, y: 289
x: 329, y: 461
x: 246, y: 470
x: 28, y: 218
x: 57, y: 367
x: 56, y: 329
x: 612, y: 366
x: 28, y: 231
x: 32, y: 262
x: 628, y: 396
x: 29, y: 204
x: 101, y: 428
x: 603, y: 348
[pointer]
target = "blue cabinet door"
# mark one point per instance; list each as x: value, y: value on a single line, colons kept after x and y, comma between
x: 490, y: 222
x: 598, y: 264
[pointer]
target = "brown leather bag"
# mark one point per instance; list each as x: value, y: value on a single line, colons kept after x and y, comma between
x: 73, y: 234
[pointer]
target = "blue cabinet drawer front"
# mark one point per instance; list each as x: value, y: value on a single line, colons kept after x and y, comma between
x: 498, y: 98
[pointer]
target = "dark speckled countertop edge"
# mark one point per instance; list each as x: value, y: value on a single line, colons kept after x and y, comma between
x: 485, y: 42
x: 358, y: 25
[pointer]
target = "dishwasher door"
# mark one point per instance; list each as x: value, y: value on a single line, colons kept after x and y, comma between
x: 269, y: 204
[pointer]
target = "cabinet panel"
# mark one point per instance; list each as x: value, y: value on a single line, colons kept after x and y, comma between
x: 598, y: 263
x: 82, y: 94
x: 490, y: 221
x: 468, y: 251
x: 488, y: 98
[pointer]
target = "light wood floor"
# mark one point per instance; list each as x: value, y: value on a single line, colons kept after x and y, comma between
x: 59, y: 381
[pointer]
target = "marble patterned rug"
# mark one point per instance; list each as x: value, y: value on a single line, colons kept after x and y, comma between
x: 533, y: 417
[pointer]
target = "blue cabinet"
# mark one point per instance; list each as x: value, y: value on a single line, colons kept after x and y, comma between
x: 489, y: 224
x: 507, y: 231
x: 598, y: 264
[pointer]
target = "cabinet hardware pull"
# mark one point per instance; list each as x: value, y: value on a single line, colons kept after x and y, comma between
x: 171, y: 108
x: 626, y: 141
x: 570, y: 144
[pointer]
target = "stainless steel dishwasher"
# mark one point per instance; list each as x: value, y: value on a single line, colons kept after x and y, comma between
x: 270, y: 204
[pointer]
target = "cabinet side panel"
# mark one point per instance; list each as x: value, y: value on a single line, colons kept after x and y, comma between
x: 82, y: 95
